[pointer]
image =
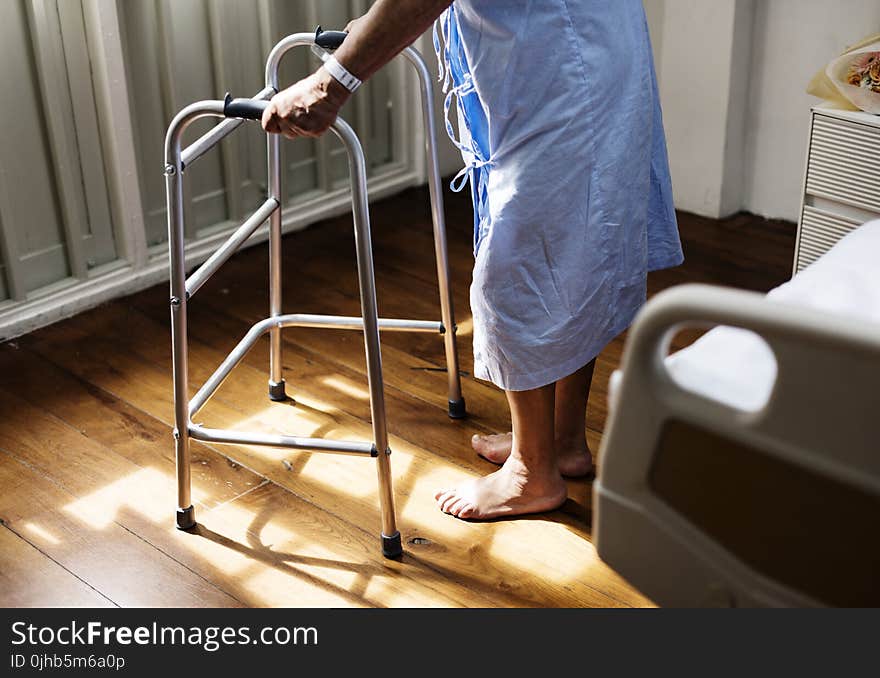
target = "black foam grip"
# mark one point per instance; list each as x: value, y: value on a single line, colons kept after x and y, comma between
x: 249, y: 109
x: 329, y: 39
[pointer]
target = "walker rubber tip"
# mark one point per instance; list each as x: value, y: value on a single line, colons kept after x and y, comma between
x: 457, y: 409
x: 186, y: 518
x: 391, y: 546
x: 276, y: 392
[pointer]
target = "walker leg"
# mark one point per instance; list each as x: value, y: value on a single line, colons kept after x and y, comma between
x: 186, y: 515
x: 276, y: 378
x: 391, y: 542
x: 185, y: 518
x: 457, y: 409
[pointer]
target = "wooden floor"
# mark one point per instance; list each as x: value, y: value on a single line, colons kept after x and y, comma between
x: 87, y: 471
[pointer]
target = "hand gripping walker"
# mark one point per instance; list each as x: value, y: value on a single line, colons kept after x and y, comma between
x: 183, y: 288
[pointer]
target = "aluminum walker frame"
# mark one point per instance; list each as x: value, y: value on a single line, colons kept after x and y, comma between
x: 178, y: 160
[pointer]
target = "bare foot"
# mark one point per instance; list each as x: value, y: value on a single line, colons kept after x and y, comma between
x: 495, y: 448
x: 509, y: 491
x: 573, y: 461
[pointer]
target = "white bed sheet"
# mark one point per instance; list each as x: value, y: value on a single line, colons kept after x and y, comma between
x: 737, y: 368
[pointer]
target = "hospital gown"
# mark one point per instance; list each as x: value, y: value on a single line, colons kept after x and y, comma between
x: 561, y: 132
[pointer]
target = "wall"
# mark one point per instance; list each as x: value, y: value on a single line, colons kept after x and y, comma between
x: 792, y: 40
x: 732, y: 78
x: 704, y: 76
x: 654, y: 10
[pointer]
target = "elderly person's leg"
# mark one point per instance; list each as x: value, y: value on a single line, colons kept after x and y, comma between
x: 572, y: 452
x: 570, y: 443
x: 529, y: 480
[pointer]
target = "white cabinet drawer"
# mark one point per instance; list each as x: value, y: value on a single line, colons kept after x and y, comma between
x: 819, y: 232
x: 844, y: 162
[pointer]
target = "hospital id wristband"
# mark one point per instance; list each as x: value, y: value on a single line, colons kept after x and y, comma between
x: 341, y: 74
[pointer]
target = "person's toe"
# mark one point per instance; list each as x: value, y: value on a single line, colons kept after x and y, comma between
x: 479, y: 442
x: 447, y: 500
x: 455, y: 508
x: 442, y: 497
x: 466, y: 511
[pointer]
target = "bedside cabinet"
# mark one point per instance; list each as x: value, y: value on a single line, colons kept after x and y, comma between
x: 841, y: 181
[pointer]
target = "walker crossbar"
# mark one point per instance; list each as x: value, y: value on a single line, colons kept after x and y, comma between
x: 231, y: 246
x: 211, y: 435
x: 296, y: 320
x: 182, y: 289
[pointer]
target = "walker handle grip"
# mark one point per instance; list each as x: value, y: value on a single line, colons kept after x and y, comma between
x: 329, y: 40
x: 249, y: 109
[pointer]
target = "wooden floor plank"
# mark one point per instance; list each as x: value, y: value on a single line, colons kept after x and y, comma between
x: 115, y: 424
x: 80, y: 529
x: 28, y: 578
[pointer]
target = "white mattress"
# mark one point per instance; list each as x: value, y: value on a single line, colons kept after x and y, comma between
x: 737, y: 368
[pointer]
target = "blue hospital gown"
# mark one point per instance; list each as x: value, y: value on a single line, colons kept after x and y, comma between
x: 562, y: 137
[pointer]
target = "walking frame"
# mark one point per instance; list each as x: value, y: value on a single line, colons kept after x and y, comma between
x: 177, y: 160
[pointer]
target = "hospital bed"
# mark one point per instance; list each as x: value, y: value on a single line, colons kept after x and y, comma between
x: 744, y: 470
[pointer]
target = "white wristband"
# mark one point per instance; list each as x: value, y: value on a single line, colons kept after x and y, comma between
x: 340, y: 73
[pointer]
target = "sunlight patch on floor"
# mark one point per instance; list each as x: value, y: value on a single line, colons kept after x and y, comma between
x: 523, y: 540
x: 276, y: 587
x: 313, y: 554
x: 280, y: 562
x: 42, y: 533
x: 147, y: 491
x: 217, y: 555
x: 347, y: 386
x: 304, y: 419
x: 464, y: 327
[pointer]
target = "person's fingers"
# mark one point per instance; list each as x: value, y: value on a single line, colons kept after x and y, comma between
x: 300, y: 125
x: 295, y: 126
x: 309, y: 131
x: 274, y: 125
x: 316, y: 125
x: 287, y: 128
x: 268, y: 120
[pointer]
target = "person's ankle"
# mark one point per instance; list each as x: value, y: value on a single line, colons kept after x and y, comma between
x: 533, y: 471
x: 572, y: 443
